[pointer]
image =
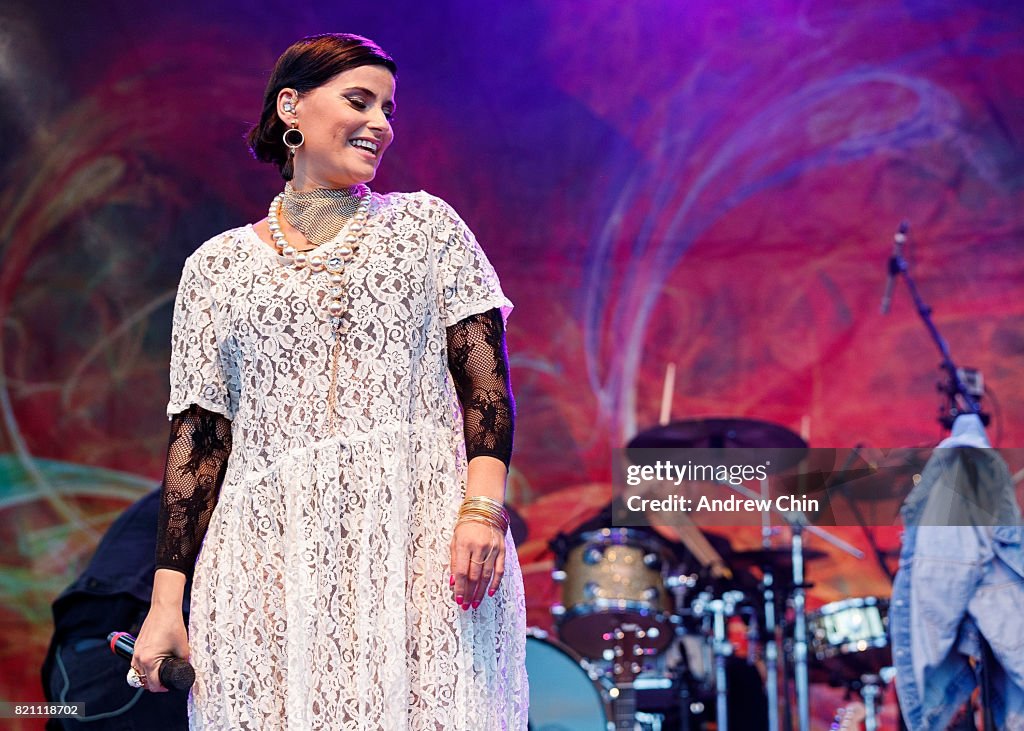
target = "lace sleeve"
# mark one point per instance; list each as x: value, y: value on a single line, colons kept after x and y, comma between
x: 197, y: 458
x: 478, y: 363
x: 466, y: 281
x: 202, y: 373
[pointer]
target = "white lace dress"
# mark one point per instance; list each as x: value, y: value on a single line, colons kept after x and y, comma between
x: 320, y: 598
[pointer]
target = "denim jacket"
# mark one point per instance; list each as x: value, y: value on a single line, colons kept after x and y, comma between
x: 961, y: 573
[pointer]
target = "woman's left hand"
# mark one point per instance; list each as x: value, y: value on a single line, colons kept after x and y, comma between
x: 477, y: 563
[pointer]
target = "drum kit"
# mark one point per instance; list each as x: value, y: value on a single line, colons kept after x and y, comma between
x: 650, y: 620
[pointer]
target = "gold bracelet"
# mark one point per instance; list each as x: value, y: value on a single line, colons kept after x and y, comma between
x: 497, y: 521
x: 481, y: 520
x: 488, y: 508
x: 477, y: 515
x: 484, y: 501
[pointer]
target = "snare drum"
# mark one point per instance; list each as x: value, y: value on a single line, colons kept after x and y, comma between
x: 851, y: 637
x: 614, y: 578
x: 566, y: 692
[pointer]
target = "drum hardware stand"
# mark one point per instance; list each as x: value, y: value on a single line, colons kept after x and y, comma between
x: 794, y: 518
x: 870, y: 692
x: 649, y: 721
x: 803, y: 702
x: 719, y: 610
x: 871, y: 687
x: 771, y: 649
x: 680, y: 585
x: 798, y: 524
x: 771, y: 645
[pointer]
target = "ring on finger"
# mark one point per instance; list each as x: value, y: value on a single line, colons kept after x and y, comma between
x: 134, y: 679
x: 481, y: 563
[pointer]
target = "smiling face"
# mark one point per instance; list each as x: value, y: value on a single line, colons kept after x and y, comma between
x: 346, y: 127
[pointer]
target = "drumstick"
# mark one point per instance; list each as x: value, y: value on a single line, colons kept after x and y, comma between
x: 696, y: 542
x: 667, y: 393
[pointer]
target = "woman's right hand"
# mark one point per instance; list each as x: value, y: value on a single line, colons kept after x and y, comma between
x: 162, y: 635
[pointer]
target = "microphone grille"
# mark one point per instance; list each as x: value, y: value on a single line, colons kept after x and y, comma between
x: 177, y: 673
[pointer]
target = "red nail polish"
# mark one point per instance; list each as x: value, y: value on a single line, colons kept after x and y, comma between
x: 465, y: 607
x: 476, y: 604
x: 490, y: 592
x: 451, y: 580
x: 458, y: 599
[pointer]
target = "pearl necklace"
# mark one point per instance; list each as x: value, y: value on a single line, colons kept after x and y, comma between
x: 334, y: 263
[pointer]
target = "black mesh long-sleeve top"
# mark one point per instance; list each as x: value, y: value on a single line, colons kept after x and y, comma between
x: 200, y: 441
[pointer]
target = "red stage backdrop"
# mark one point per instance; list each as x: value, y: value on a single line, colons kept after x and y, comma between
x: 714, y: 185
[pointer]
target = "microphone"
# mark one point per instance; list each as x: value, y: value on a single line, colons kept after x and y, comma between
x: 894, y: 265
x: 174, y: 672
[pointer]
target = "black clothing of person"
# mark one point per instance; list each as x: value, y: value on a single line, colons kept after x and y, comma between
x: 112, y: 594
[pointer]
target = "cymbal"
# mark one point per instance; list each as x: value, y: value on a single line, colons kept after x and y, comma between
x: 785, y: 447
x: 874, y: 489
x: 890, y: 478
x: 774, y: 558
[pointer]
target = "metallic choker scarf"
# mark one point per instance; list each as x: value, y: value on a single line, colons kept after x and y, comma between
x: 320, y: 214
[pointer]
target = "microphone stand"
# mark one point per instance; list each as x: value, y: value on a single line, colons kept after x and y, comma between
x: 956, y: 388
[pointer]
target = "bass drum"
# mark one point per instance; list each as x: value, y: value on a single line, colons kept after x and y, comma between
x: 566, y: 692
x: 615, y: 578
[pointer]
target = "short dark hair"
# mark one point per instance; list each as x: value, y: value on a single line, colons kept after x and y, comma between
x: 304, y: 66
